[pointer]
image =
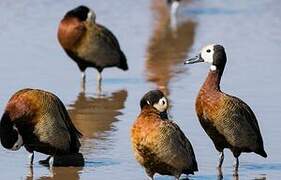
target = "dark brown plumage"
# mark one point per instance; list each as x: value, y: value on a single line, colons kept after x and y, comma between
x: 89, y: 44
x: 38, y: 121
x: 228, y: 121
x: 158, y: 143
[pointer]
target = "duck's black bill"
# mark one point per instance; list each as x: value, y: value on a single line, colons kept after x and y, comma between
x: 193, y: 60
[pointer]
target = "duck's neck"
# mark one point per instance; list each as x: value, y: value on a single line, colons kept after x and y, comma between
x: 6, y: 127
x: 162, y: 115
x: 212, y: 81
x: 5, y: 123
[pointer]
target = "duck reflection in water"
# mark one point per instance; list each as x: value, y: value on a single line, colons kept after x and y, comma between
x: 94, y: 116
x: 167, y: 47
x: 220, y: 177
x: 59, y: 173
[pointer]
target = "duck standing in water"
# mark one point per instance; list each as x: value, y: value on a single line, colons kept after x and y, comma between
x: 158, y: 143
x: 227, y: 120
x: 89, y: 44
x: 38, y: 121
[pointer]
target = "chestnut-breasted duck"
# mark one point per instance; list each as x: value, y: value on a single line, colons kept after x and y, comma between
x: 88, y: 43
x: 227, y: 120
x: 38, y: 120
x: 158, y: 143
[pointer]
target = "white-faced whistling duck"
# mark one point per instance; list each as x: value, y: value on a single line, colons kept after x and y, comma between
x: 159, y: 144
x: 89, y: 44
x: 228, y: 121
x: 38, y: 121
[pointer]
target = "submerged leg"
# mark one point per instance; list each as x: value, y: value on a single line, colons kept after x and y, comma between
x: 31, y: 158
x: 30, y: 172
x: 235, y: 166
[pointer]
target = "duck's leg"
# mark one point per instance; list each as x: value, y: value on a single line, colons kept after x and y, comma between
x: 220, y: 161
x: 149, y: 174
x: 236, y: 166
x: 177, y: 177
x: 83, y: 76
x: 31, y: 158
x: 99, y: 79
x: 31, y: 154
x: 51, y: 161
x: 83, y: 83
x: 51, y: 165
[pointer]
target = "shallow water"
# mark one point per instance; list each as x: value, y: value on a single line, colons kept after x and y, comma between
x: 155, y: 48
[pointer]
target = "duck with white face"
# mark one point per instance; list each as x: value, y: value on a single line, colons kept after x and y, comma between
x: 156, y: 100
x: 228, y: 121
x: 158, y: 143
x: 208, y: 55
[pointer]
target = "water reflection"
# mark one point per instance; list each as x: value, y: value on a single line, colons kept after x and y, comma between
x: 263, y: 177
x: 59, y: 173
x: 233, y: 177
x: 94, y: 116
x: 167, y: 46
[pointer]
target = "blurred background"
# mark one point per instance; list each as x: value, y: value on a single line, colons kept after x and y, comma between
x: 155, y: 45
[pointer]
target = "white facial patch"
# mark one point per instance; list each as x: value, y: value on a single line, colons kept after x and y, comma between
x: 18, y: 143
x: 207, y: 53
x: 162, y: 104
x: 91, y: 16
x: 213, y: 67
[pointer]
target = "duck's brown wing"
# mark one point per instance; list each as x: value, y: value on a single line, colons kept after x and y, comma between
x: 240, y: 126
x: 107, y: 36
x: 110, y: 46
x: 73, y: 132
x: 170, y: 146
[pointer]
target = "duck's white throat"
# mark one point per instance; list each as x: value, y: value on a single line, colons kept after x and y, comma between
x: 213, y: 68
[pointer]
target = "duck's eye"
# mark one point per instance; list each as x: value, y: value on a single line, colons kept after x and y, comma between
x: 163, y: 102
x: 208, y: 50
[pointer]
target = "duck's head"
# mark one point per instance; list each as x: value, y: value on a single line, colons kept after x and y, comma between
x: 9, y: 135
x: 213, y: 54
x: 83, y: 13
x: 155, y: 99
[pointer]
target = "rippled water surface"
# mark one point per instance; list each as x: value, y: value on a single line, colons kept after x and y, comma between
x: 155, y: 47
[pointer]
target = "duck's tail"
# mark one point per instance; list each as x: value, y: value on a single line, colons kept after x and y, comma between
x: 123, y: 62
x: 262, y: 153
